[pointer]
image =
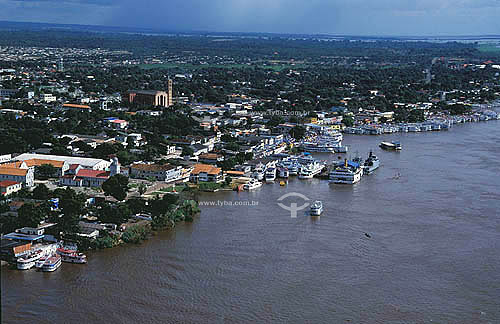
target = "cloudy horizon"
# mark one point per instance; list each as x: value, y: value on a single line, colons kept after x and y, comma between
x: 336, y: 17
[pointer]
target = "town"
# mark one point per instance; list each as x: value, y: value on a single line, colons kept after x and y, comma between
x: 100, y: 145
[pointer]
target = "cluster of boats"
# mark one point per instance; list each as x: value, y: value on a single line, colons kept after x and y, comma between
x: 303, y: 166
x: 307, y: 167
x: 434, y: 124
x: 326, y: 143
x: 49, y: 257
x: 403, y: 128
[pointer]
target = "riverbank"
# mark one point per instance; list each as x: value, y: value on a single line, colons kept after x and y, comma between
x: 441, y: 123
x: 136, y: 231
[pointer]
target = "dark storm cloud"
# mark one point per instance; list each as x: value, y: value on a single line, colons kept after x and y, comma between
x: 368, y: 17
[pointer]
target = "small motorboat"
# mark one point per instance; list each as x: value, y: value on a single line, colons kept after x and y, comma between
x: 316, y: 208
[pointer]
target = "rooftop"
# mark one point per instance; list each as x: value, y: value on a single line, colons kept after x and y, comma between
x: 152, y: 167
x: 205, y: 168
x: 67, y: 105
x: 13, y: 171
x: 7, y: 183
x: 86, y: 173
x: 70, y: 159
x: 39, y: 162
x: 22, y: 237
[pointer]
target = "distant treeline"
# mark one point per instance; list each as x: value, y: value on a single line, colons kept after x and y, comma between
x: 267, y: 47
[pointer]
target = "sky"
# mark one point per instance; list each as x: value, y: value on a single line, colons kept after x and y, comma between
x: 336, y: 17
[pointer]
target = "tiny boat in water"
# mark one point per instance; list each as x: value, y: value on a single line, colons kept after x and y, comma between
x: 316, y: 208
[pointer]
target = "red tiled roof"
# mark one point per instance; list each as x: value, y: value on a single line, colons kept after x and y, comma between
x: 76, y: 106
x: 209, y: 169
x: 13, y: 171
x: 87, y: 173
x: 7, y: 183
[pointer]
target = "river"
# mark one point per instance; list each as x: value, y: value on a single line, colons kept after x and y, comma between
x: 433, y: 254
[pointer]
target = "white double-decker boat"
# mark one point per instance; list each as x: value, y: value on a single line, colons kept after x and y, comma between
x: 348, y: 172
x: 71, y: 255
x: 28, y: 261
x: 308, y: 171
x: 38, y: 252
x: 52, y: 263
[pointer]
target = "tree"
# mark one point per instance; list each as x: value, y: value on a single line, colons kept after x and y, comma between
x: 60, y: 150
x: 41, y: 192
x: 116, y: 186
x: 46, y: 171
x: 232, y: 146
x: 104, y: 150
x: 72, y: 206
x: 161, y: 206
x: 31, y: 215
x: 348, y: 121
x: 82, y: 146
x: 116, y: 214
x: 187, y: 151
x: 142, y: 188
x: 136, y: 205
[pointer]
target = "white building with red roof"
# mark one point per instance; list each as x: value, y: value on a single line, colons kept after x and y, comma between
x: 85, y: 178
x: 8, y: 186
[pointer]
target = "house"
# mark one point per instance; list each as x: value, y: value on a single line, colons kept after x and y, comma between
x: 211, y: 158
x: 160, y: 172
x: 90, y: 233
x: 118, y: 124
x: 8, y: 186
x: 199, y: 149
x: 48, y: 98
x: 206, y: 173
x: 136, y: 139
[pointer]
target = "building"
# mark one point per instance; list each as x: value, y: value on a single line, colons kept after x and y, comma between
x: 150, y: 97
x: 5, y: 158
x: 48, y: 97
x: 60, y: 166
x: 85, y: 178
x: 118, y: 124
x: 8, y: 92
x: 60, y: 65
x: 8, y: 186
x: 18, y: 173
x: 11, y: 249
x: 160, y: 172
x: 206, y: 173
x: 86, y: 163
x: 211, y: 158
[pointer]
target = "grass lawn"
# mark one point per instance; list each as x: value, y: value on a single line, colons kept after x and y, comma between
x: 489, y: 48
x: 170, y: 189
